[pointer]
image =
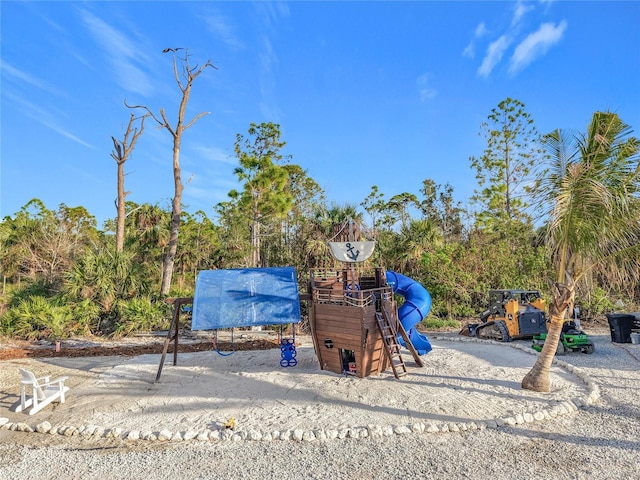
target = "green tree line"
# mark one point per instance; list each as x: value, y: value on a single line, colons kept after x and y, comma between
x: 64, y: 276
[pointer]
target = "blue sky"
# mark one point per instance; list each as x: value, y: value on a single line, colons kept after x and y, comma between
x: 366, y: 93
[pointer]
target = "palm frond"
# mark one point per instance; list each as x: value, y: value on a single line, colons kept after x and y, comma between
x: 590, y: 190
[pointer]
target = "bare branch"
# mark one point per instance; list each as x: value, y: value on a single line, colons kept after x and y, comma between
x: 117, y: 155
x: 149, y: 112
x: 176, y: 74
x: 129, y: 144
x: 123, y: 148
x: 121, y: 153
x: 166, y: 123
x: 195, y: 119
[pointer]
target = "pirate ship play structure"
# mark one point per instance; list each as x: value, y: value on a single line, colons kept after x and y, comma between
x: 355, y: 323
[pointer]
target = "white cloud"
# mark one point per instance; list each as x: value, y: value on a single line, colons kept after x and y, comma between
x: 470, y: 49
x: 122, y: 54
x: 425, y: 90
x: 203, y: 192
x: 268, y: 56
x: 520, y: 10
x: 66, y: 134
x: 494, y: 54
x: 223, y: 30
x: 268, y: 86
x: 23, y: 77
x: 215, y: 154
x: 271, y: 12
x: 536, y: 44
x: 49, y: 119
x: 481, y: 30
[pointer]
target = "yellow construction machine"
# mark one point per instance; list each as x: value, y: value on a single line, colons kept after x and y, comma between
x: 511, y: 314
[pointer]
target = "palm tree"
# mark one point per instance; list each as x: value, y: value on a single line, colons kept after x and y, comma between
x: 105, y: 276
x: 415, y: 239
x: 329, y: 224
x: 591, y: 191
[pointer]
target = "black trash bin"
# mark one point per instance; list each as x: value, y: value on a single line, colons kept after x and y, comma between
x: 621, y: 325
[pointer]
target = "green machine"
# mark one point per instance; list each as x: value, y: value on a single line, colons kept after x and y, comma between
x: 572, y: 339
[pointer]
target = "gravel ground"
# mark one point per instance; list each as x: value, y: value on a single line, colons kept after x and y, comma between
x: 601, y: 441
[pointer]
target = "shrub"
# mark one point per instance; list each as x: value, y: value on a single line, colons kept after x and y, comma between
x: 140, y: 314
x: 597, y: 303
x: 435, y: 323
x: 36, y: 318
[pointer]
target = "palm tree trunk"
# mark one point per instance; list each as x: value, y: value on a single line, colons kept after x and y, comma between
x: 538, y: 377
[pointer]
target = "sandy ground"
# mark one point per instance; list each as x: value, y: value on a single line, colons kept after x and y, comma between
x: 461, y: 382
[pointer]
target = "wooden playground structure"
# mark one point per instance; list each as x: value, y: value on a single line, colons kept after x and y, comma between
x: 353, y: 316
x: 354, y: 323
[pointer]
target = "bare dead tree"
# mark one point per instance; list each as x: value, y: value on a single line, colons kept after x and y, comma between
x: 184, y: 75
x: 121, y: 151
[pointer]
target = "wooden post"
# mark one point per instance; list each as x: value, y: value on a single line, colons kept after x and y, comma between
x: 409, y: 345
x: 172, y: 334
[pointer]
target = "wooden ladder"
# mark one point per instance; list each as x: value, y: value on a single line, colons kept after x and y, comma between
x: 392, y: 347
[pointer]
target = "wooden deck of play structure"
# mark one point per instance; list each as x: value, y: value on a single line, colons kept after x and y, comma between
x: 354, y: 324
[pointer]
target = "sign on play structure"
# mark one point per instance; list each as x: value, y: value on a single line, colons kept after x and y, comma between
x: 351, y: 251
x: 245, y: 297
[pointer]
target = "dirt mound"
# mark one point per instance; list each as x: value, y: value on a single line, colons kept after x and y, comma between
x: 39, y: 351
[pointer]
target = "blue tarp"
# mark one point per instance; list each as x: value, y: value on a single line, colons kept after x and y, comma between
x: 245, y: 297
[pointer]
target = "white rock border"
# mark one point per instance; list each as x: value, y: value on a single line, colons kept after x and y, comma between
x: 321, y: 435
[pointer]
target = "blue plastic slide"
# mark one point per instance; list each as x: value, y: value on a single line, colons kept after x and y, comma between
x: 414, y: 309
